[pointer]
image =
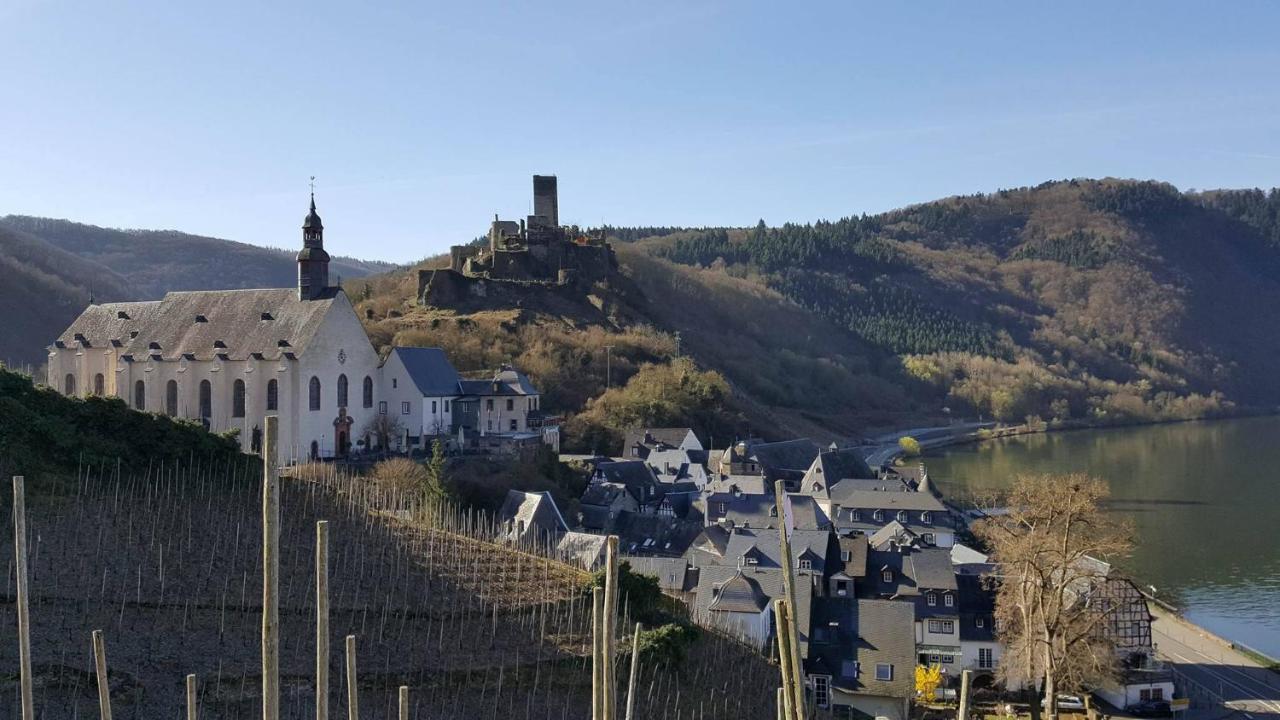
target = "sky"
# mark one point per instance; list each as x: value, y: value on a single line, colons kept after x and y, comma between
x: 420, y: 120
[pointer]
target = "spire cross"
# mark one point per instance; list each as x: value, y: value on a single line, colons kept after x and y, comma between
x: 313, y: 186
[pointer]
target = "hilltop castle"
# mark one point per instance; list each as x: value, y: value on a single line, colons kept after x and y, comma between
x: 535, y: 251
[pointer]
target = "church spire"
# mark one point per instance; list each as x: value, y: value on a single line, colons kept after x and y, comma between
x: 313, y: 261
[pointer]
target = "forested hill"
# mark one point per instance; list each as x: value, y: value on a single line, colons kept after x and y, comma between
x: 1089, y: 300
x: 52, y: 268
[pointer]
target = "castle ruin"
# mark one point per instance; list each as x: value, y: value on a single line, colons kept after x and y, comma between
x: 535, y: 251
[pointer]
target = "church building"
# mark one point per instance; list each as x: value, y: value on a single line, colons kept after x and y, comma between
x: 229, y: 357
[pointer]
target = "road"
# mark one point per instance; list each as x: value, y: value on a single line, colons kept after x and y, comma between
x: 887, y: 447
x: 1211, y: 666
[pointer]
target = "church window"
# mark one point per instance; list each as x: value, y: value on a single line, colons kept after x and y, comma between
x: 368, y: 391
x: 315, y: 393
x: 273, y: 395
x: 140, y: 395
x: 342, y: 391
x: 237, y: 398
x: 99, y: 384
x: 69, y: 385
x: 171, y: 398
x: 206, y: 399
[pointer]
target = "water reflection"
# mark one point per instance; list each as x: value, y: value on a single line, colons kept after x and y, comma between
x: 1202, y: 496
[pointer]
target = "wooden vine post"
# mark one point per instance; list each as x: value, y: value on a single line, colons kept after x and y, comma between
x: 597, y: 653
x: 24, y: 617
x: 100, y: 668
x: 404, y: 702
x: 322, y: 620
x: 789, y: 588
x: 353, y: 699
x: 635, y: 670
x: 610, y: 649
x: 787, y: 690
x: 270, y: 572
x: 191, y: 697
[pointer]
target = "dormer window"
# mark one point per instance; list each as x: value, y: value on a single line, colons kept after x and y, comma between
x: 806, y: 564
x: 122, y: 315
x: 855, y: 515
x: 267, y: 316
x: 750, y: 560
x: 949, y: 600
x: 931, y: 599
x: 877, y: 516
x: 201, y: 319
x: 282, y: 343
x: 153, y: 345
x: 817, y: 487
x: 133, y: 334
x: 219, y: 344
x: 887, y: 576
x: 902, y: 516
x: 926, y: 517
x: 773, y: 511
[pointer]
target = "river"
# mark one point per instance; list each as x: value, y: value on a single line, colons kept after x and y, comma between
x: 1204, y: 498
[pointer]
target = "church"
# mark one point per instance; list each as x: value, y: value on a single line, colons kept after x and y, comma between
x: 227, y: 358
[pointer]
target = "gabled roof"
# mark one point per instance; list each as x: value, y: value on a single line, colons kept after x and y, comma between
x: 768, y: 546
x: 652, y: 438
x: 832, y: 466
x: 672, y: 574
x: 761, y: 511
x: 430, y: 370
x: 892, y: 533
x: 913, y: 571
x: 506, y: 382
x: 651, y: 534
x: 768, y: 582
x: 738, y: 594
x: 850, y: 496
x: 533, y: 510
x: 189, y: 323
x: 795, y: 454
x: 585, y: 549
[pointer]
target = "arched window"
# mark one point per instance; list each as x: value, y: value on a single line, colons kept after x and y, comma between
x: 69, y: 385
x: 368, y: 391
x: 206, y: 400
x: 342, y: 391
x: 140, y: 395
x: 237, y: 398
x: 273, y: 395
x: 99, y: 385
x: 171, y: 398
x: 315, y: 393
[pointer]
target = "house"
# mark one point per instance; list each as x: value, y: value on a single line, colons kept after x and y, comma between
x: 655, y: 535
x: 504, y: 403
x: 1128, y: 626
x: 531, y: 518
x: 786, y: 460
x: 853, y: 566
x: 921, y: 576
x: 831, y: 467
x: 421, y: 388
x: 862, y: 657
x: 640, y: 442
x: 853, y: 507
x: 227, y: 358
x: 674, y: 465
x: 674, y: 575
x: 587, y: 550
x: 979, y: 649
x: 601, y: 505
x: 734, y: 601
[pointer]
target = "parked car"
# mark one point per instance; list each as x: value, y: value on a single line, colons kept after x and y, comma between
x: 1149, y: 708
x: 1066, y: 702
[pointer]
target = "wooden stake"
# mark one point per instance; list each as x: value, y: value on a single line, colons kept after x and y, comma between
x: 322, y: 620
x: 353, y: 701
x: 270, y: 573
x: 782, y: 710
x: 24, y: 617
x: 100, y: 667
x: 191, y: 697
x: 789, y: 587
x: 609, y: 652
x: 635, y: 668
x: 963, y: 712
x: 784, y: 658
x: 404, y: 702
x: 597, y: 653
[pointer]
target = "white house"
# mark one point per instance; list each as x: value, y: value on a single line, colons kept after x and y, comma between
x: 229, y: 357
x: 420, y: 387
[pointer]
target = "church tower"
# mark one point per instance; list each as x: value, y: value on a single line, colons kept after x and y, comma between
x: 313, y: 261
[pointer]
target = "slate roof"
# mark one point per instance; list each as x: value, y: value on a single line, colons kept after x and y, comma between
x: 759, y: 511
x: 893, y: 532
x: 856, y: 547
x: 650, y: 534
x: 585, y: 549
x: 770, y: 585
x: 652, y: 438
x: 851, y: 637
x: 748, y: 484
x: 794, y: 455
x: 672, y: 574
x: 765, y: 546
x: 534, y: 510
x: 236, y: 317
x: 430, y: 370
x: 506, y: 382
x: 738, y: 594
x: 627, y: 472
x: 913, y: 571
x: 849, y: 496
x: 709, y: 546
x: 832, y: 466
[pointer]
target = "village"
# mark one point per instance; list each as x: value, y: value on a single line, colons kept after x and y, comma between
x: 894, y: 601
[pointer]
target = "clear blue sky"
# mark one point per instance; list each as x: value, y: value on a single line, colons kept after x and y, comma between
x: 422, y: 120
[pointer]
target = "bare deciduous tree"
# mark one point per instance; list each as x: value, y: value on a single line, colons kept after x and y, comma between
x: 1049, y: 547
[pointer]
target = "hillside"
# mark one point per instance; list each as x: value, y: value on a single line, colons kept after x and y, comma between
x: 1077, y: 302
x: 63, y: 264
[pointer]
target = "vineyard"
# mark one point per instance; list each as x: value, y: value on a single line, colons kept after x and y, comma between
x: 168, y: 564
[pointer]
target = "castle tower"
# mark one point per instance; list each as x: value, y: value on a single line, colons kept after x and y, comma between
x: 313, y: 261
x: 545, y: 201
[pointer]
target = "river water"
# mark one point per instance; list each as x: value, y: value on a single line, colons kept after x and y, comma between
x: 1204, y: 498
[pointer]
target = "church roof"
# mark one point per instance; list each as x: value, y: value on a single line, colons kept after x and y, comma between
x: 313, y: 218
x: 269, y: 322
